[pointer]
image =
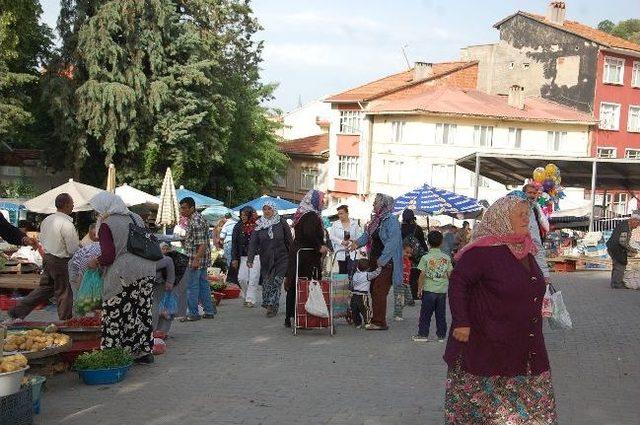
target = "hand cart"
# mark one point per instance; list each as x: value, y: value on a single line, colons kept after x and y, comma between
x: 303, y: 320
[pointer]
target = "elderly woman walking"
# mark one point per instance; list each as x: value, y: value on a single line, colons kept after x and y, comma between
x: 127, y: 281
x: 310, y: 237
x: 272, y: 240
x: 385, y: 239
x: 242, y: 232
x: 498, y: 364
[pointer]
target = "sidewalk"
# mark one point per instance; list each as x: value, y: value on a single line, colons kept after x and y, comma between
x: 242, y: 368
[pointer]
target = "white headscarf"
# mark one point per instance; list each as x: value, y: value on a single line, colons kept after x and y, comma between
x: 267, y: 223
x: 106, y: 204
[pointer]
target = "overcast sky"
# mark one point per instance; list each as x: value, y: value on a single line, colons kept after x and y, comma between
x: 316, y: 48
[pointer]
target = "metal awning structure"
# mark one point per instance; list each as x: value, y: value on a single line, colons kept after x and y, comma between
x: 585, y: 172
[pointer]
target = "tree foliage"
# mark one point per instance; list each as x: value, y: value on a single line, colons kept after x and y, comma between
x: 628, y: 29
x: 24, y: 46
x: 158, y: 83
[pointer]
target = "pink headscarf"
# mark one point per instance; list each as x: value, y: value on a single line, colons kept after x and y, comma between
x: 495, y: 230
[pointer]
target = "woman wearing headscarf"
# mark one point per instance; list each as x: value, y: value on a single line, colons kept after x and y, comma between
x: 310, y: 233
x: 127, y: 281
x: 272, y: 241
x: 384, y: 236
x: 498, y: 364
x: 414, y: 235
x: 242, y: 232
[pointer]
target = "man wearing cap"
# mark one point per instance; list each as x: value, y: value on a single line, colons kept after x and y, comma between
x: 619, y: 249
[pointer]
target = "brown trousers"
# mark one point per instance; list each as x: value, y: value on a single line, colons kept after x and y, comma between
x: 53, y: 282
x: 379, y: 291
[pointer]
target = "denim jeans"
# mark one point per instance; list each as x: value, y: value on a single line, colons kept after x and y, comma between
x: 433, y: 302
x: 198, y: 290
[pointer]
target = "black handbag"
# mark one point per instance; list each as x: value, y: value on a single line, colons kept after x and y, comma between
x: 142, y: 243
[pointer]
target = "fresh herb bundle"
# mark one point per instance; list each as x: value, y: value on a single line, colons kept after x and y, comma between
x: 103, y: 359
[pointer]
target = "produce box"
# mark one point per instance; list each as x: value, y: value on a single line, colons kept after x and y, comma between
x: 231, y: 291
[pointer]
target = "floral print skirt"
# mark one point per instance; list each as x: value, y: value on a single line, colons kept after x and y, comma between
x: 127, y: 320
x: 271, y: 292
x: 499, y: 400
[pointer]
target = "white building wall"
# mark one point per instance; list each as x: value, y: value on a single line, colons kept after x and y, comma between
x: 397, y: 167
x: 301, y: 122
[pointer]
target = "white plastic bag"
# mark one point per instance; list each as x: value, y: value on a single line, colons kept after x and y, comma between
x: 560, y: 318
x: 547, y: 304
x: 315, y: 304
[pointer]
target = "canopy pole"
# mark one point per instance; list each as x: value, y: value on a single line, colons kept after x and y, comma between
x: 594, y: 175
x: 455, y: 170
x: 477, y: 171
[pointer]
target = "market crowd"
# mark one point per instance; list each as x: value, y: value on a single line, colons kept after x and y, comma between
x: 493, y: 279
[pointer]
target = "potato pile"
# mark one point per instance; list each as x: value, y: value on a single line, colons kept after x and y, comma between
x: 12, y: 363
x: 34, y: 340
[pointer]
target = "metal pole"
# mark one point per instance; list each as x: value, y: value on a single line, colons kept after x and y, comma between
x: 594, y: 175
x: 455, y: 170
x: 477, y: 188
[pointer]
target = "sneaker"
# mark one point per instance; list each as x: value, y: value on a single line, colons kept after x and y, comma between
x: 372, y: 327
x: 359, y: 327
x: 398, y: 319
x: 208, y: 316
x: 190, y: 319
x: 249, y: 304
x: 440, y: 339
x: 420, y: 338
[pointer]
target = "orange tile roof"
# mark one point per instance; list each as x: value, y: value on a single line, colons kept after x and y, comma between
x: 394, y: 83
x: 474, y: 103
x: 581, y: 30
x: 316, y: 145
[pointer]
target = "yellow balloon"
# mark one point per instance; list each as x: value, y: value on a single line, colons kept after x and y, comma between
x: 551, y: 170
x: 539, y: 174
x: 557, y: 179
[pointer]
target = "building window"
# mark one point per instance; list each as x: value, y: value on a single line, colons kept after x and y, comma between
x: 350, y: 122
x: 392, y: 170
x: 620, y: 202
x: 606, y: 152
x: 555, y: 140
x: 445, y: 134
x: 635, y: 75
x: 613, y: 70
x: 281, y: 180
x: 308, y: 178
x: 633, y: 122
x: 515, y: 137
x: 632, y: 154
x: 609, y: 116
x: 603, y: 201
x: 11, y: 171
x: 442, y: 175
x: 397, y: 131
x: 526, y: 65
x: 348, y: 167
x: 511, y: 65
x: 483, y: 135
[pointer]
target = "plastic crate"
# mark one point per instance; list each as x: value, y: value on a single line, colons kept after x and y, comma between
x: 17, y: 409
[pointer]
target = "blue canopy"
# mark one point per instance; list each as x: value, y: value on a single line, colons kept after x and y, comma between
x: 284, y: 207
x: 202, y: 201
x: 215, y: 213
x: 429, y: 200
x: 14, y: 210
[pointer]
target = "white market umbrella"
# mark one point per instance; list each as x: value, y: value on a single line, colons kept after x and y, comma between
x: 132, y: 196
x: 80, y: 193
x: 111, y: 178
x: 168, y: 210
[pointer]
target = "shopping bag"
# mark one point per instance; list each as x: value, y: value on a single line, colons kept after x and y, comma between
x: 547, y: 304
x: 560, y: 318
x: 168, y: 305
x: 89, y: 296
x: 315, y: 304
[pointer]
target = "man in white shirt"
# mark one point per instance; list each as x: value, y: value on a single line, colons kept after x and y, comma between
x: 60, y: 241
x: 343, y: 230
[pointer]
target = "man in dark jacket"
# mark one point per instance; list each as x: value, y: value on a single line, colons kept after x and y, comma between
x: 619, y: 249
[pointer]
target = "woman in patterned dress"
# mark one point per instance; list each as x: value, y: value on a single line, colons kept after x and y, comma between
x: 127, y: 281
x: 498, y: 364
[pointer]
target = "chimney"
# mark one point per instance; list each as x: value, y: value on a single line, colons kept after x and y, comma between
x: 516, y: 96
x: 422, y: 70
x: 556, y: 12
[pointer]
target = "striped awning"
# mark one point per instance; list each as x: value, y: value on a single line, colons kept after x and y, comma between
x: 434, y: 201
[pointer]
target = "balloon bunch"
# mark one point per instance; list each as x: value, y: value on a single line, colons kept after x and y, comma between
x: 548, y: 179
